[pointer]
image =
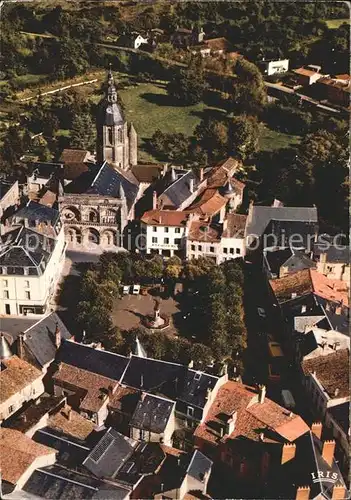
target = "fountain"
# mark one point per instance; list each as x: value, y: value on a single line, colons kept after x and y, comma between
x: 158, y: 321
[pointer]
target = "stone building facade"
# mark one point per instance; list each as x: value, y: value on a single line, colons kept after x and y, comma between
x: 117, y: 141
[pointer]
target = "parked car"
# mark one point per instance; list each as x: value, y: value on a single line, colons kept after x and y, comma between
x: 261, y: 312
x: 288, y: 399
x: 126, y: 289
x: 136, y: 289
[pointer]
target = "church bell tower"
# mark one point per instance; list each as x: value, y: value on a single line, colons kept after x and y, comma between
x: 116, y: 141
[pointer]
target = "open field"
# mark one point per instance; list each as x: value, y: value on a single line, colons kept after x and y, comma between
x: 335, y: 23
x: 271, y: 140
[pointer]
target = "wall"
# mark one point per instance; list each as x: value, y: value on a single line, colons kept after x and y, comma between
x: 319, y: 398
x: 10, y: 199
x: 334, y: 270
x: 161, y: 234
x: 31, y: 391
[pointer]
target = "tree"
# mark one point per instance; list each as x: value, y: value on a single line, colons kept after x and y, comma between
x: 189, y: 85
x: 173, y: 268
x: 243, y: 136
x: 248, y: 93
x: 83, y: 132
x: 212, y: 136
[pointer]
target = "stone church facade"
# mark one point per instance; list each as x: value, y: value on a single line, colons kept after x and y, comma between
x: 117, y: 141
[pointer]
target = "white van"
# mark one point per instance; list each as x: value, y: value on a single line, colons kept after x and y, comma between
x: 288, y: 399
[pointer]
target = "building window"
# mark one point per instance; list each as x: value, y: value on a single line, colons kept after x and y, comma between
x: 154, y: 239
x: 177, y: 241
x: 6, y: 294
x: 28, y: 295
x: 237, y: 251
x: 231, y: 250
x: 11, y: 408
x: 177, y: 229
x: 166, y: 229
x: 166, y: 240
x: 26, y: 271
x: 154, y: 228
x: 26, y: 284
x: 109, y: 135
x: 190, y: 411
x: 225, y: 250
x: 212, y: 249
x: 119, y: 135
x: 200, y: 248
x: 5, y: 283
x: 193, y: 248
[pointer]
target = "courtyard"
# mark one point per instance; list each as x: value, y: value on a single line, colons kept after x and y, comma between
x: 129, y: 311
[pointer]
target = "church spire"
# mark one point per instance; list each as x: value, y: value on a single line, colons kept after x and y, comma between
x: 111, y: 87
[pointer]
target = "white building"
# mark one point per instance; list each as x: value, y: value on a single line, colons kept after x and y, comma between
x: 164, y: 232
x: 220, y: 242
x: 31, y: 260
x: 274, y: 67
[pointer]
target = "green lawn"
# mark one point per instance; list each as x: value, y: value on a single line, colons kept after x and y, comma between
x: 149, y: 108
x: 271, y: 140
x: 335, y: 23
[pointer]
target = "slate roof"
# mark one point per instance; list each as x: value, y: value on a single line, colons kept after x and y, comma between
x: 276, y: 258
x: 110, y: 453
x: 179, y: 190
x: 260, y: 217
x: 108, y: 181
x: 152, y: 414
x: 146, y: 459
x: 40, y: 338
x: 56, y: 483
x: 308, y: 460
x: 93, y: 360
x: 196, y: 385
x: 70, y: 451
x: 200, y: 466
x: 341, y: 415
x: 337, y: 255
x: 44, y: 170
x: 36, y: 212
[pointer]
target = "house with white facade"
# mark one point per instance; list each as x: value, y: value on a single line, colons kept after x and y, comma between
x: 31, y: 260
x: 274, y: 67
x: 164, y: 232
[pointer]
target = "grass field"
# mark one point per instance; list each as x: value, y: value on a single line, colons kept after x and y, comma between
x: 271, y: 140
x: 335, y: 23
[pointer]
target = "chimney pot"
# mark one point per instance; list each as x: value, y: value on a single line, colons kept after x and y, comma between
x: 154, y: 200
x: 328, y: 451
x: 317, y: 429
x: 339, y: 492
x: 303, y: 493
x: 262, y: 393
x: 288, y: 452
x: 201, y: 174
x: 57, y: 337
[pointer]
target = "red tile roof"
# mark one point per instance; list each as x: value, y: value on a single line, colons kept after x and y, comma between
x: 73, y: 155
x: 235, y: 226
x: 93, y: 388
x: 71, y: 423
x: 204, y: 231
x: 305, y: 72
x: 18, y: 452
x: 218, y: 175
x: 209, y: 203
x: 217, y: 44
x: 310, y: 281
x: 332, y: 372
x: 17, y: 375
x: 165, y: 218
x: 253, y: 418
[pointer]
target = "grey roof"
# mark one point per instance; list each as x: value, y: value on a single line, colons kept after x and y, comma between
x: 44, y: 170
x: 97, y: 361
x: 40, y: 338
x: 70, y: 451
x: 55, y: 482
x: 334, y: 253
x: 301, y: 322
x: 299, y: 261
x: 199, y: 466
x: 108, y: 181
x: 338, y: 322
x: 341, y: 415
x: 110, y: 453
x: 261, y: 216
x: 13, y: 326
x: 179, y: 190
x: 152, y: 414
x: 37, y: 212
x: 196, y: 385
x: 276, y: 258
x: 5, y: 351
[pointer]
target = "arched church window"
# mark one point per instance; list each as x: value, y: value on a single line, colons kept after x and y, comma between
x: 109, y: 135
x: 119, y: 135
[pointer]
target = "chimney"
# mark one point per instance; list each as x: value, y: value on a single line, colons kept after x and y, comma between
x: 261, y: 393
x: 191, y: 185
x: 328, y: 451
x: 110, y: 391
x: 225, y: 224
x: 288, y: 452
x: 201, y: 174
x: 317, y: 428
x: 230, y: 425
x: 302, y: 493
x: 20, y: 345
x: 154, y: 200
x: 69, y: 414
x: 339, y: 492
x: 336, y: 392
x: 57, y: 336
x: 191, y: 364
